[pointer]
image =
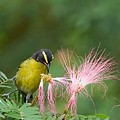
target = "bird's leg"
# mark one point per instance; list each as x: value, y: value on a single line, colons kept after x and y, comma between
x: 7, y: 95
x: 28, y: 97
x: 19, y: 96
x: 34, y: 100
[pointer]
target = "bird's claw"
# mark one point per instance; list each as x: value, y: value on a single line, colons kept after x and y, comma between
x: 7, y: 95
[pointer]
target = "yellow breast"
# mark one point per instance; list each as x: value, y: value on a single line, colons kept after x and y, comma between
x: 29, y: 75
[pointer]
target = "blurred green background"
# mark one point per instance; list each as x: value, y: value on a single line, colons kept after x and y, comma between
x: 27, y: 26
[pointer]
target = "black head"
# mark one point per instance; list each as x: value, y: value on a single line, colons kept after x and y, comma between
x: 44, y: 56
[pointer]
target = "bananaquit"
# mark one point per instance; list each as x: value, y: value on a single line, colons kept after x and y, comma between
x: 28, y: 76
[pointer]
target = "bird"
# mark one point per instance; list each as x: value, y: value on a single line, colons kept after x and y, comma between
x: 28, y: 75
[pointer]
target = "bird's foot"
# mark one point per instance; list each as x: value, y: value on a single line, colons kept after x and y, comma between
x: 7, y: 95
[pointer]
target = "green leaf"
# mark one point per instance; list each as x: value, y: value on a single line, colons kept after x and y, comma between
x: 49, y: 118
x: 92, y: 117
x: 72, y: 118
x: 4, y: 86
x: 13, y: 115
x: 61, y: 117
x: 101, y: 116
x: 2, y: 116
x: 4, y: 81
x: 3, y: 76
x: 82, y: 117
x: 54, y: 118
x: 77, y: 117
x: 9, y: 108
x: 26, y: 112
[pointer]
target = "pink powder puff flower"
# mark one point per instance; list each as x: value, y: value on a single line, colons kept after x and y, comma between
x: 53, y: 86
x: 41, y: 96
x: 50, y: 93
x: 51, y: 96
x: 95, y: 68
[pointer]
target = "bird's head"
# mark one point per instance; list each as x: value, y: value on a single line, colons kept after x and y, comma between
x: 44, y: 56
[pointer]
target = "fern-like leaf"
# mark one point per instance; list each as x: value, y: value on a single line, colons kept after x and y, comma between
x: 92, y: 117
x: 9, y: 109
x: 4, y: 81
x: 3, y: 76
x: 29, y: 113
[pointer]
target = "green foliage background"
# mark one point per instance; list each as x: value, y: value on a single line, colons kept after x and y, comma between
x: 27, y: 26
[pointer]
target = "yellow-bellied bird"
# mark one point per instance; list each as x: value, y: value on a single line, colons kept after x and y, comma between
x: 28, y: 76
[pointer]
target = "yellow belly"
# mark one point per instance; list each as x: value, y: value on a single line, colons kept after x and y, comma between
x: 29, y: 75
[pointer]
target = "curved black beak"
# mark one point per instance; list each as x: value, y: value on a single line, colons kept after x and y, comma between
x: 48, y: 67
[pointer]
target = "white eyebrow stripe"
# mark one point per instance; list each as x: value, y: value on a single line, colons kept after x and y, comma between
x: 45, y: 56
x: 52, y: 57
